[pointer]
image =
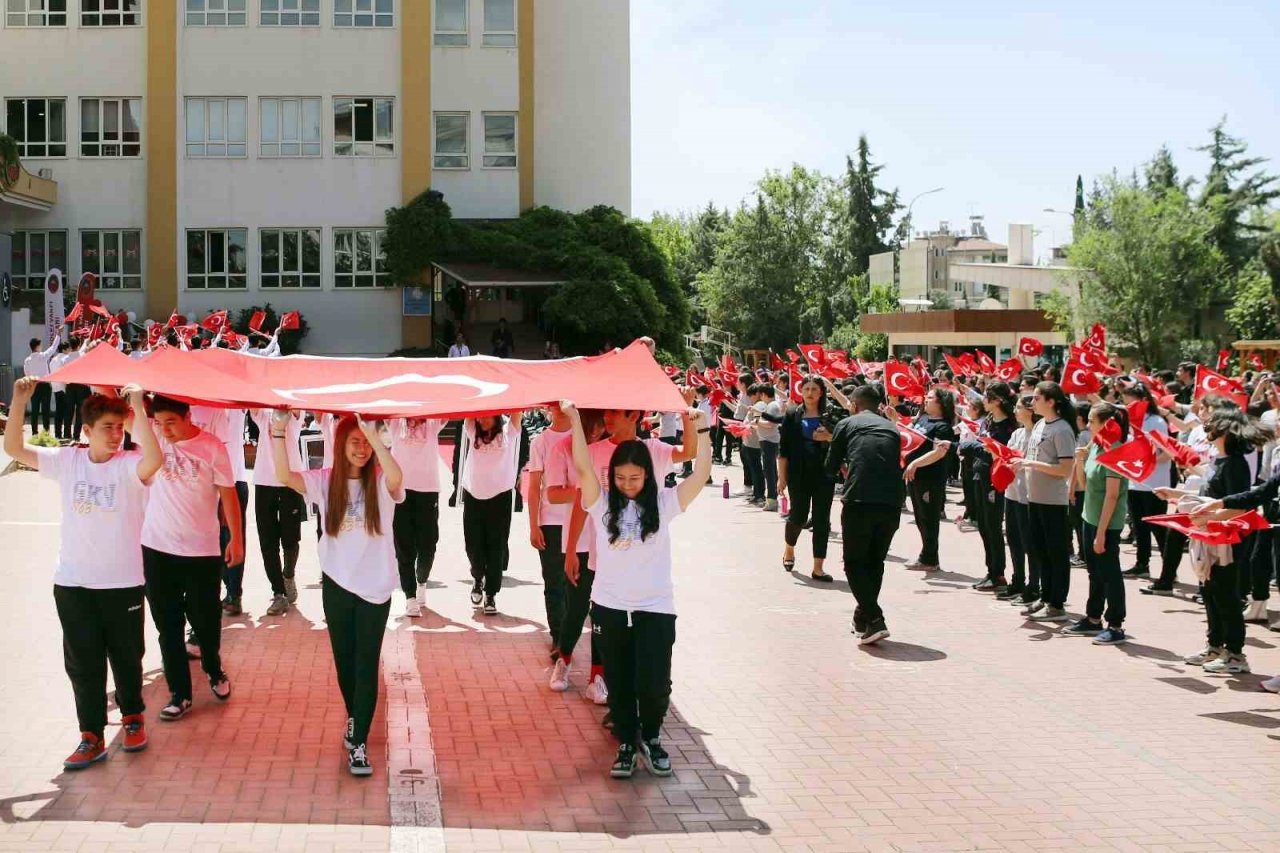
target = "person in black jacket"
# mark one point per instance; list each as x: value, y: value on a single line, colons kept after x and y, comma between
x: 868, y: 447
x: 804, y: 436
x: 998, y: 425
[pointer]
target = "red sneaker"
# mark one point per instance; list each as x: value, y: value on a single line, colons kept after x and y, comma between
x: 135, y: 733
x: 90, y: 751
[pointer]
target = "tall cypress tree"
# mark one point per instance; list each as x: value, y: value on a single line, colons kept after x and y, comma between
x: 869, y: 209
x: 1230, y: 194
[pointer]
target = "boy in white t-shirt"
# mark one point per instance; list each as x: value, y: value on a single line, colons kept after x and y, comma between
x: 98, y: 582
x: 228, y: 426
x: 181, y: 554
x: 546, y: 523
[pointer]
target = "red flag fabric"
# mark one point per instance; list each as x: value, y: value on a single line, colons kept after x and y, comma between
x: 74, y: 314
x: 154, y: 333
x: 176, y: 320
x: 101, y: 310
x: 1182, y: 454
x: 998, y: 450
x: 1091, y: 358
x: 1078, y: 379
x: 970, y: 424
x: 1228, y: 532
x: 986, y: 363
x: 692, y: 378
x: 775, y: 363
x: 735, y: 428
x: 1137, y: 412
x: 967, y: 362
x: 1097, y: 337
x: 671, y: 370
x: 1211, y: 382
x: 1002, y: 475
x: 215, y: 322
x: 1135, y: 460
x: 793, y: 356
x: 290, y: 320
x: 796, y: 381
x: 899, y: 382
x: 1030, y: 347
x: 1224, y: 359
x: 815, y: 354
x: 726, y: 364
x: 1255, y: 361
x: 912, y: 440
x: 955, y: 365
x: 1108, y: 435
x: 256, y: 321
x: 1010, y: 370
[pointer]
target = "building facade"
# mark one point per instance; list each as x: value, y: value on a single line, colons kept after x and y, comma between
x: 225, y: 153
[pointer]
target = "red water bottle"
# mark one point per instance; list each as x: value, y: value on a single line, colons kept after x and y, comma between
x: 724, y: 488
x: 784, y: 506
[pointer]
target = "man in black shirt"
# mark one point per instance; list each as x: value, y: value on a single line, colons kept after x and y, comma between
x: 504, y: 345
x: 869, y: 448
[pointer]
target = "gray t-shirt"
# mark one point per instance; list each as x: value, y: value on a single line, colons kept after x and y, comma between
x: 1051, y: 443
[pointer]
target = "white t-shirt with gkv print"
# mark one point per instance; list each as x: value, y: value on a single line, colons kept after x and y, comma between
x: 182, y: 517
x: 103, y: 505
x: 362, y: 564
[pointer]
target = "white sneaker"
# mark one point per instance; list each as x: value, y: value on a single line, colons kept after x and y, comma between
x: 597, y: 692
x: 412, y: 607
x: 1208, y: 655
x: 559, y: 676
x: 1271, y: 685
x: 422, y: 596
x: 1256, y: 612
x: 1228, y: 664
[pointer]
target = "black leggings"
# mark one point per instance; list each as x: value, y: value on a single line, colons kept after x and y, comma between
x: 928, y: 501
x: 356, y: 628
x: 416, y: 530
x: 637, y: 660
x: 1141, y: 505
x: 182, y: 589
x: 1106, y: 583
x: 486, y: 526
x: 1262, y: 564
x: 41, y: 407
x: 233, y: 576
x: 278, y: 511
x: 1050, y: 543
x: 577, y: 606
x: 1222, y: 608
x: 553, y: 580
x: 1077, y: 525
x: 991, y: 527
x: 101, y: 625
x: 1018, y: 529
x: 811, y: 499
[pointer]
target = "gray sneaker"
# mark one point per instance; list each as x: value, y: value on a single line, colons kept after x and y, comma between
x: 279, y: 606
x: 291, y: 590
x: 1032, y: 608
x: 1051, y: 614
x: 1229, y: 664
x: 1208, y: 654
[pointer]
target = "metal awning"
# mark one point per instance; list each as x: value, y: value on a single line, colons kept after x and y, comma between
x: 484, y: 275
x: 25, y: 190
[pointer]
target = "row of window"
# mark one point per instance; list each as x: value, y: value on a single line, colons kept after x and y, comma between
x: 287, y: 127
x: 217, y: 258
x: 451, y: 19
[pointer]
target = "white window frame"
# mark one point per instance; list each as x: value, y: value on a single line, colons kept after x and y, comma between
x: 347, y: 14
x: 208, y: 107
x: 211, y: 8
x: 225, y: 272
x: 118, y: 143
x: 435, y: 139
x: 28, y: 13
x: 451, y: 36
x: 344, y: 236
x: 127, y: 281
x: 280, y: 128
x: 266, y: 235
x: 306, y: 13
x: 371, y: 146
x: 110, y: 8
x: 505, y: 39
x: 23, y: 149
x: 25, y: 281
x: 514, y: 153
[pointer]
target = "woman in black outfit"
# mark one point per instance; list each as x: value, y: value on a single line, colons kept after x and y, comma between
x: 998, y: 425
x: 804, y: 436
x: 927, y: 484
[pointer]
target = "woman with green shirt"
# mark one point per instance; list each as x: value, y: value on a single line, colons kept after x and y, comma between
x: 1105, y: 492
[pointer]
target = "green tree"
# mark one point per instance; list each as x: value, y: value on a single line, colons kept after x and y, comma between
x: 868, y: 210
x: 1162, y: 174
x: 1255, y: 314
x: 1234, y: 188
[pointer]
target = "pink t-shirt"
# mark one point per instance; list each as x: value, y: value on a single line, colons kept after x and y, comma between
x: 182, y: 517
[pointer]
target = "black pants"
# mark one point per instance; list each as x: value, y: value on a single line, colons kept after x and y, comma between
x: 577, y: 606
x: 753, y: 471
x: 636, y: 648
x: 61, y: 415
x: 1017, y: 530
x: 1106, y: 584
x: 1141, y: 505
x: 279, y: 512
x: 1050, y: 543
x: 233, y: 576
x: 928, y: 501
x: 991, y: 528
x: 811, y: 498
x: 769, y: 467
x: 1175, y: 546
x: 717, y: 443
x: 553, y: 580
x: 101, y: 626
x: 416, y: 530
x: 41, y: 402
x: 486, y: 526
x: 866, y: 534
x: 1077, y: 525
x: 1262, y: 564
x: 1222, y: 608
x: 355, y: 634
x: 76, y: 394
x: 182, y: 589
x: 967, y: 488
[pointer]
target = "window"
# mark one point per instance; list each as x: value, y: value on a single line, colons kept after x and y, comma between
x: 358, y: 258
x: 289, y: 127
x: 451, y: 23
x: 216, y: 127
x: 110, y: 13
x: 110, y: 127
x: 363, y: 127
x: 216, y: 259
x: 451, y: 150
x: 499, y: 140
x: 36, y: 13
x: 364, y: 13
x: 38, y: 125
x: 499, y: 23
x: 34, y: 254
x: 217, y: 13
x: 116, y: 256
x: 290, y: 13
x: 289, y: 257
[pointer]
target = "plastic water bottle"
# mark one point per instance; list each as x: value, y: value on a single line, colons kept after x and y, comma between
x: 724, y: 488
x: 784, y: 505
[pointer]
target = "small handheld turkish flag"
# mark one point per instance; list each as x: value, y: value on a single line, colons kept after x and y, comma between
x: 1137, y: 412
x: 775, y: 363
x: 1097, y: 337
x: 290, y: 320
x: 1078, y: 379
x: 1030, y: 347
x: 986, y: 363
x: 912, y: 440
x: 215, y: 322
x: 1211, y: 382
x: 74, y: 314
x: 1002, y: 475
x: 899, y: 382
x: 1108, y: 435
x: 1134, y: 460
x: 256, y: 321
x: 1224, y: 359
x: 1255, y: 361
x: 1009, y: 371
x: 796, y: 382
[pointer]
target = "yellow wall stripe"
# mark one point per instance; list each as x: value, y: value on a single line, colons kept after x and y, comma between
x: 416, y: 134
x: 525, y: 132
x: 161, y: 134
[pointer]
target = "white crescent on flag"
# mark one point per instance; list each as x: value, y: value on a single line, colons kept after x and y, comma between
x: 319, y: 394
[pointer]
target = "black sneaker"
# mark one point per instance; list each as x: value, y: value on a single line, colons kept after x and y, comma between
x: 624, y: 763
x: 193, y: 646
x: 859, y: 625
x: 1138, y: 571
x: 176, y: 709
x: 1011, y: 592
x: 654, y: 757
x: 1077, y: 562
x: 1156, y: 589
x: 221, y: 686
x: 1083, y: 628
x: 490, y: 605
x: 876, y: 631
x: 477, y: 592
x: 348, y: 733
x: 358, y: 761
x: 985, y: 585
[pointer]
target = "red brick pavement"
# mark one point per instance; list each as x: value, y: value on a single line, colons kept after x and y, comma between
x: 968, y: 729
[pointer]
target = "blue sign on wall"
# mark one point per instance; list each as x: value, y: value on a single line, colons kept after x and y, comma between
x: 416, y: 301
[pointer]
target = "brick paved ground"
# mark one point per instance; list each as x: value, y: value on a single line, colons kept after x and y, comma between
x: 969, y: 729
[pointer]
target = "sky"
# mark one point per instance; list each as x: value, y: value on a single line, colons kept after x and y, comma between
x: 999, y: 103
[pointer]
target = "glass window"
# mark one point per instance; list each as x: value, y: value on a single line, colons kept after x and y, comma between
x: 359, y: 259
x: 110, y: 13
x: 364, y: 127
x: 499, y: 23
x: 116, y: 257
x: 290, y: 127
x: 217, y: 259
x: 217, y: 13
x: 289, y: 258
x: 34, y: 253
x: 216, y: 127
x: 289, y: 13
x: 451, y: 150
x: 499, y: 140
x: 451, y: 23
x: 110, y: 127
x: 36, y: 13
x: 364, y: 13
x: 38, y: 125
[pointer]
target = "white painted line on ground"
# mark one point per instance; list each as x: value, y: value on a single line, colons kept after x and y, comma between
x: 412, y: 778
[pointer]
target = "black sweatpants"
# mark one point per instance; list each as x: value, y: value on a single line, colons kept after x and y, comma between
x: 61, y: 415
x: 1049, y: 541
x: 76, y: 395
x: 356, y: 628
x: 1141, y: 505
x: 486, y: 527
x: 1017, y: 530
x: 991, y: 527
x: 811, y: 499
x: 1222, y: 608
x: 101, y: 626
x: 577, y: 606
x: 866, y: 534
x: 1076, y: 516
x: 1262, y: 564
x: 753, y: 470
x: 553, y: 580
x: 928, y: 501
x: 416, y: 531
x: 41, y: 407
x: 233, y: 576
x: 182, y: 589
x: 1106, y: 584
x: 636, y: 648
x: 279, y: 512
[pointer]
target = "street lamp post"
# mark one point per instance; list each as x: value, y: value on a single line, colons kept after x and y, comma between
x: 907, y: 219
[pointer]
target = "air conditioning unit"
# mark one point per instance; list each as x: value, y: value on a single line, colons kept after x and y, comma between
x: 47, y: 174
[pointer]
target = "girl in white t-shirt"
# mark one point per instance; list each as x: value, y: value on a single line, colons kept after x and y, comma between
x: 632, y: 599
x: 357, y: 559
x: 489, y: 466
x: 415, y: 442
